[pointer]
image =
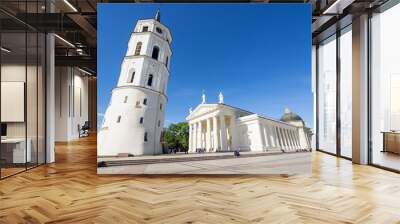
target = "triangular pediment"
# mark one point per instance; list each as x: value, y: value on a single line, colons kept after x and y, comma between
x: 202, y: 109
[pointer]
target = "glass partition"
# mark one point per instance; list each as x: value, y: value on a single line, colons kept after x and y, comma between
x: 346, y: 92
x: 13, y: 110
x: 22, y: 101
x: 327, y: 95
x: 385, y: 88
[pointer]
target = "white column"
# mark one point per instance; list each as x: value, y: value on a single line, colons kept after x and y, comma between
x: 229, y: 131
x: 208, y: 135
x: 223, y: 132
x: 190, y: 137
x: 203, y: 136
x: 282, y: 137
x: 215, y: 133
x: 314, y: 92
x: 276, y: 137
x: 234, y: 133
x: 267, y: 142
x: 200, y: 143
x: 290, y: 139
x: 360, y: 90
x: 289, y: 143
x: 296, y: 137
x: 291, y: 146
x: 199, y: 135
x: 195, y: 137
x: 282, y: 142
x: 262, y: 136
x: 293, y: 139
x: 272, y: 136
x: 50, y: 96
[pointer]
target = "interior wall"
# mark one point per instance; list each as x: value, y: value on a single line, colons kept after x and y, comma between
x: 71, y: 102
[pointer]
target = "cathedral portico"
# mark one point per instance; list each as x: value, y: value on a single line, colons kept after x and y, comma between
x: 210, y: 132
x: 221, y: 127
x: 213, y: 130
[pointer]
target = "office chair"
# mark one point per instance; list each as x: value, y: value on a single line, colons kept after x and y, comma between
x: 84, y: 130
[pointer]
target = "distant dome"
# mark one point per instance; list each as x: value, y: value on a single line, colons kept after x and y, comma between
x: 290, y: 116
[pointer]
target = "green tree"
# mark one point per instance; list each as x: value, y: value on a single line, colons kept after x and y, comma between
x: 183, y: 135
x: 176, y: 136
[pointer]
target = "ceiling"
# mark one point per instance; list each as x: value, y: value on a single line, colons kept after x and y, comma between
x: 75, y: 22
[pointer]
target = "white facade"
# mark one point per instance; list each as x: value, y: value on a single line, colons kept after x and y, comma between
x: 134, y: 119
x: 220, y: 127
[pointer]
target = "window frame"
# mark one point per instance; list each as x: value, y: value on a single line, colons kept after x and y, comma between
x: 131, y: 76
x: 337, y: 37
x: 155, y: 49
x: 150, y: 80
x: 138, y: 48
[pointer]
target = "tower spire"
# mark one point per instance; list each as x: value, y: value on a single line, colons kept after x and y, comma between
x: 157, y: 17
x: 203, y: 97
x: 221, y: 98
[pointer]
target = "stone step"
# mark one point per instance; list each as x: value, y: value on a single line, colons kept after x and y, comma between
x: 175, y: 159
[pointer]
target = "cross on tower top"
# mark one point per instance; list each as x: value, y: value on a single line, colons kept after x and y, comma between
x: 157, y: 17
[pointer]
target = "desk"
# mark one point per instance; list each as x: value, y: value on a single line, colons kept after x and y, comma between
x: 391, y: 142
x: 15, y: 148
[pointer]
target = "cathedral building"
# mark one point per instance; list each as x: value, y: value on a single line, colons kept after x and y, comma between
x: 221, y: 127
x: 134, y: 119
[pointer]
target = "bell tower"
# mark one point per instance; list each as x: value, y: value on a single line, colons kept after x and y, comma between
x: 135, y: 116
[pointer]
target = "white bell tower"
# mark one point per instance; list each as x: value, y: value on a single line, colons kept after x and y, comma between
x: 135, y: 116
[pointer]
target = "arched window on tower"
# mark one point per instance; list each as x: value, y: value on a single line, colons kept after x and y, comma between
x: 150, y: 80
x: 138, y: 48
x: 156, y: 50
x: 131, y: 77
x: 166, y: 62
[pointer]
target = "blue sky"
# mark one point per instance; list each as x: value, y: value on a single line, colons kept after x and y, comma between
x: 258, y: 55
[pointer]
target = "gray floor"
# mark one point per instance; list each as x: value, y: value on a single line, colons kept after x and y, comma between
x: 287, y: 163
